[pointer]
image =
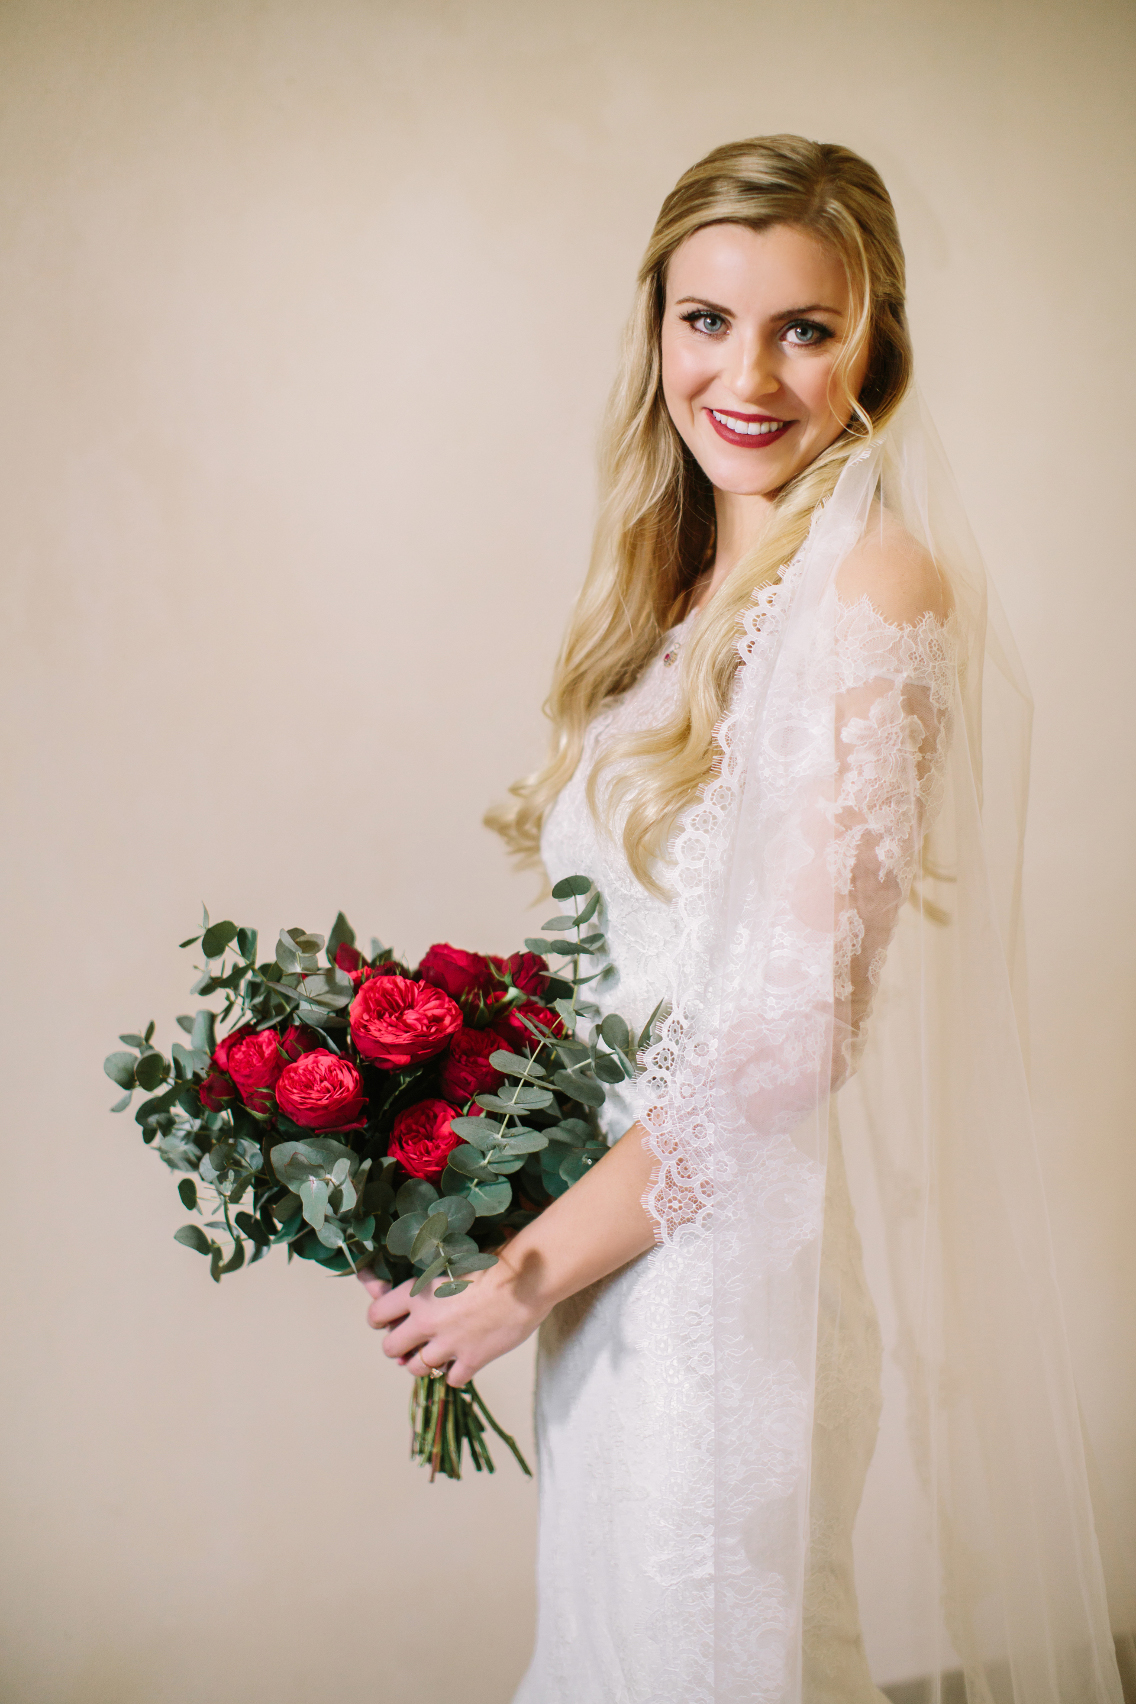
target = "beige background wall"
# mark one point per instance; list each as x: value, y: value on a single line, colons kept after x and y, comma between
x: 307, y: 313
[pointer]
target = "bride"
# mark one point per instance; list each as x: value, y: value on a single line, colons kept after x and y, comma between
x: 789, y: 748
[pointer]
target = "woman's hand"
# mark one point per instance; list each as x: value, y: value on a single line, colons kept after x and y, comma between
x: 594, y: 1228
x: 462, y: 1332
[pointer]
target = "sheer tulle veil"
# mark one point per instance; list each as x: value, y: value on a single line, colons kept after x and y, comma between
x: 849, y: 885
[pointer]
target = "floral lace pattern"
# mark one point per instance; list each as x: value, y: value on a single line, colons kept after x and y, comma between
x: 650, y: 1396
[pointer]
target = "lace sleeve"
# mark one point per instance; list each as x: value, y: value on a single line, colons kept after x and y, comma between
x: 819, y: 841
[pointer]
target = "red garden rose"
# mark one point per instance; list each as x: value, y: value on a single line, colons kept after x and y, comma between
x: 298, y: 1039
x: 510, y: 1028
x: 397, y: 1022
x: 466, y: 1070
x: 216, y: 1091
x: 422, y: 1141
x: 225, y: 1046
x: 255, y: 1062
x: 322, y: 1092
x: 456, y: 971
x: 528, y: 970
x: 351, y: 960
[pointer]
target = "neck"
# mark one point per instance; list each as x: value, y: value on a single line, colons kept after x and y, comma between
x: 739, y: 524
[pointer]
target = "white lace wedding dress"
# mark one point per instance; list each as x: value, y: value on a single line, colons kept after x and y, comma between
x: 624, y: 1408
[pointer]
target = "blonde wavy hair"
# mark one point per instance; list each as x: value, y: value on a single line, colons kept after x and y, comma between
x: 655, y: 533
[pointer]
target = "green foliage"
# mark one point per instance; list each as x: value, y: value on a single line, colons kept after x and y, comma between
x: 255, y: 1180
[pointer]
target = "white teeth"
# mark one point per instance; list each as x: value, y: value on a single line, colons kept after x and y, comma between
x: 749, y: 428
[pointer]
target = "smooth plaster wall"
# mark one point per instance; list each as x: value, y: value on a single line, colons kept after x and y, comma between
x: 307, y: 315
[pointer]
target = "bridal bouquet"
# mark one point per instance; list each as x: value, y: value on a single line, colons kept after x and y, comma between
x: 365, y: 1114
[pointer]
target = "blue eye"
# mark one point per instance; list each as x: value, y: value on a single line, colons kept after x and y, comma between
x: 811, y: 333
x: 708, y: 323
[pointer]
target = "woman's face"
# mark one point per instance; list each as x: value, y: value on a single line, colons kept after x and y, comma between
x: 753, y: 325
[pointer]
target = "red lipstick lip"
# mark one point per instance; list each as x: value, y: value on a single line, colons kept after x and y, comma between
x: 746, y: 440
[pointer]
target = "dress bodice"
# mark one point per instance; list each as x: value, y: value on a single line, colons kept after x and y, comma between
x: 642, y: 930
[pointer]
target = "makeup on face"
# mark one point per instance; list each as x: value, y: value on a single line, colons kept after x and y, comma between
x: 753, y: 331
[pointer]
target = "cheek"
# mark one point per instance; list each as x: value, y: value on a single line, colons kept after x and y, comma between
x: 685, y: 371
x: 818, y: 388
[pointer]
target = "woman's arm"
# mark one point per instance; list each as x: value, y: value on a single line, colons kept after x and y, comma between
x: 594, y: 1228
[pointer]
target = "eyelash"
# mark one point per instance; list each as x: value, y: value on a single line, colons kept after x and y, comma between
x: 823, y: 332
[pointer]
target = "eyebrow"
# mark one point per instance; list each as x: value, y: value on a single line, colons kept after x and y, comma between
x: 789, y: 313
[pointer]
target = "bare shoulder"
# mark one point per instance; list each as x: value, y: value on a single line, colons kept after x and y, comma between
x: 900, y: 579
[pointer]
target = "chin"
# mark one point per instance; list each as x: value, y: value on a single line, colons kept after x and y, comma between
x: 745, y: 482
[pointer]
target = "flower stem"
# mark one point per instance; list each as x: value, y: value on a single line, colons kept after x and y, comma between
x: 444, y: 1418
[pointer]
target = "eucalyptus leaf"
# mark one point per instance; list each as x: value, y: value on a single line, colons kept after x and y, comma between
x: 202, y: 1031
x: 415, y: 1196
x: 470, y: 1162
x: 400, y: 1237
x: 450, y: 1289
x: 573, y: 1131
x: 253, y: 1229
x: 246, y: 944
x: 558, y: 923
x: 531, y: 1142
x: 217, y: 938
x: 478, y: 1130
x: 586, y: 1092
x: 237, y: 1259
x: 187, y: 1189
x: 315, y: 1156
x: 119, y: 1067
x: 133, y: 1041
x: 615, y: 1032
x: 432, y: 1232
x: 645, y: 1034
x: 589, y: 911
x: 488, y: 1199
x: 179, y: 1151
x: 456, y: 1247
x: 192, y: 1236
x: 121, y: 1105
x: 313, y: 1192
x: 342, y: 935
x: 151, y: 1070
x: 459, y: 1213
x: 431, y: 1272
x: 518, y: 1099
x: 286, y: 955
x: 472, y: 1263
x: 572, y: 887
x: 608, y: 1069
x: 512, y: 1065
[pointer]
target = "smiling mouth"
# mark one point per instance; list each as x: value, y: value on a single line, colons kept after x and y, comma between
x: 754, y: 431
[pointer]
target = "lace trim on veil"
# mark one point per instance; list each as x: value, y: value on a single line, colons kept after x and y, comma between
x: 890, y: 787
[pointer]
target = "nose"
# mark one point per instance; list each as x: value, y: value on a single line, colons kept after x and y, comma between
x: 753, y: 377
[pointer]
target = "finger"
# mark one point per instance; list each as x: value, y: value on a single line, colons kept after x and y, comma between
x: 404, y: 1339
x: 390, y: 1307
x: 416, y: 1366
x: 375, y: 1287
x: 459, y: 1374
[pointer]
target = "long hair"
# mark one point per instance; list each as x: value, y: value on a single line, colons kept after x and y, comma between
x: 655, y: 532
